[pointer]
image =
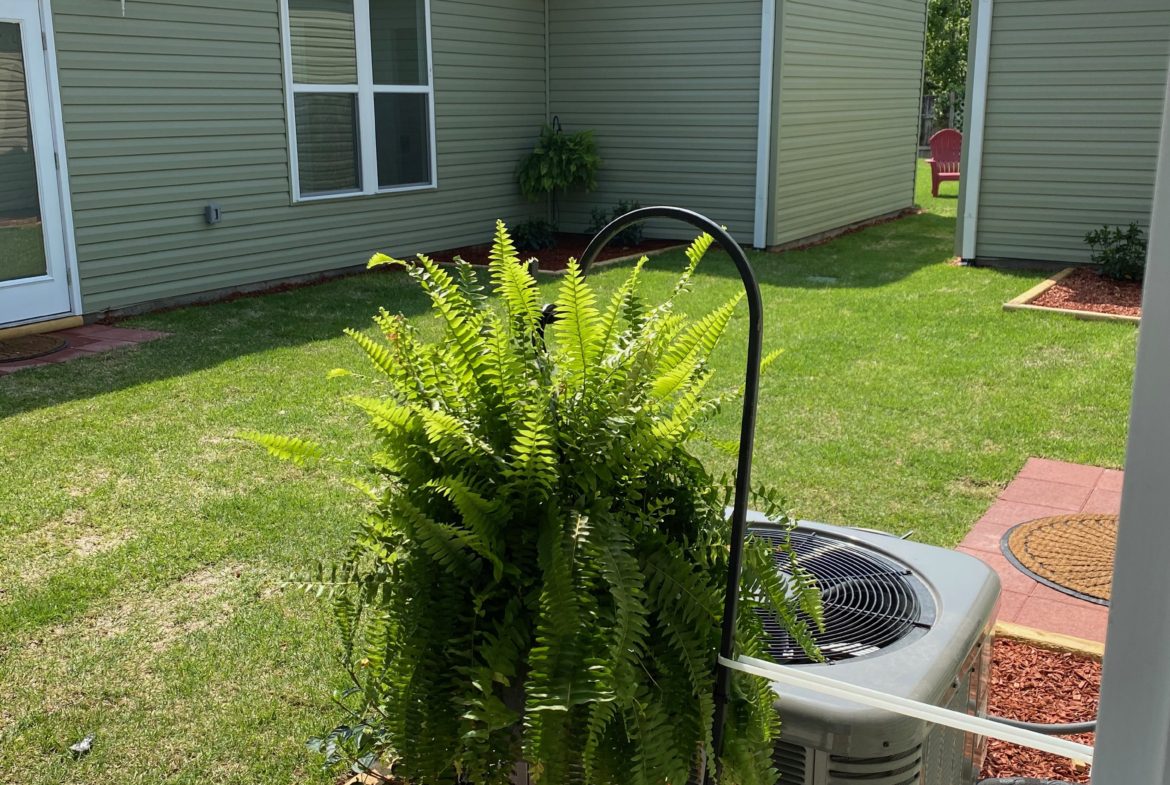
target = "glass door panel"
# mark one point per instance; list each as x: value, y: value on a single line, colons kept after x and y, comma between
x: 22, y: 244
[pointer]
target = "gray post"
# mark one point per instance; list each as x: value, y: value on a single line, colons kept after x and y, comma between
x: 1134, y: 728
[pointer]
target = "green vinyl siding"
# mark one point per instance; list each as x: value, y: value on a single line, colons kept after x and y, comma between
x: 849, y: 77
x: 182, y: 103
x: 1074, y: 107
x: 671, y: 90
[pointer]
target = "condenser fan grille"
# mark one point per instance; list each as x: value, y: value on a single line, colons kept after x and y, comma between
x: 869, y: 601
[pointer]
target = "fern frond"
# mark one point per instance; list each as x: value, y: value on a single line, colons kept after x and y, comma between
x: 286, y: 448
x: 695, y: 253
x: 378, y: 354
x: 578, y: 326
x: 692, y: 348
x: 514, y: 283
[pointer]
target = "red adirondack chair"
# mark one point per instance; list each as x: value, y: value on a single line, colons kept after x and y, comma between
x: 945, y: 147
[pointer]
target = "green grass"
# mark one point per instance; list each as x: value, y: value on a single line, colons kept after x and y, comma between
x: 22, y: 252
x: 143, y: 547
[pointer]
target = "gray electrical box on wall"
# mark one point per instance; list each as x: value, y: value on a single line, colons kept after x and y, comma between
x: 213, y: 213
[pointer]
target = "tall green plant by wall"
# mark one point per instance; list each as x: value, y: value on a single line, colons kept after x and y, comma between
x: 540, y: 575
x: 558, y: 162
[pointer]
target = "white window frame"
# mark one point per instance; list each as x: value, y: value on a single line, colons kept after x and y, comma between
x: 365, y: 91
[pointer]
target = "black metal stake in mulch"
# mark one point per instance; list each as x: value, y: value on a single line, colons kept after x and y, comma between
x: 747, y: 430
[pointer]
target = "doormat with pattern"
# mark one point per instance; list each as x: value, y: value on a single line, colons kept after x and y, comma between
x: 28, y: 347
x: 1071, y: 553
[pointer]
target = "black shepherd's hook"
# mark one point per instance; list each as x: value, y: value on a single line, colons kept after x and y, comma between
x: 747, y: 429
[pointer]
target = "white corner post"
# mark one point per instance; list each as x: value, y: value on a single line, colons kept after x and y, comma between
x: 764, y: 124
x: 976, y: 122
x: 1133, y: 733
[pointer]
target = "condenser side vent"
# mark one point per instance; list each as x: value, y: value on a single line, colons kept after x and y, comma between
x: 901, y: 769
x: 791, y: 760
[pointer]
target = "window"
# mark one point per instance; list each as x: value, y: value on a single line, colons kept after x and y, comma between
x: 360, y: 96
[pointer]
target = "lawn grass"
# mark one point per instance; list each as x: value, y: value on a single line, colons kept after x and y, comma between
x: 22, y: 252
x: 140, y: 595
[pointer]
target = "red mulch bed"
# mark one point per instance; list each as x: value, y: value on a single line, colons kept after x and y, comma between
x: 557, y: 257
x: 1086, y: 290
x: 1039, y: 685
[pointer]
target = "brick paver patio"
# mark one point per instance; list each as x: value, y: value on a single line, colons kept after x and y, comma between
x: 86, y: 341
x: 1044, y: 488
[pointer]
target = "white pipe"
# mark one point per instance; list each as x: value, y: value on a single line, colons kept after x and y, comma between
x: 764, y: 123
x: 976, y: 121
x: 795, y: 677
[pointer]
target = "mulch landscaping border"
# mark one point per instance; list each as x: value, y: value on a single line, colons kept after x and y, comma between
x: 1023, y: 302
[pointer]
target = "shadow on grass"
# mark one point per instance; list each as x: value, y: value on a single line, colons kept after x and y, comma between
x: 868, y: 258
x: 203, y: 336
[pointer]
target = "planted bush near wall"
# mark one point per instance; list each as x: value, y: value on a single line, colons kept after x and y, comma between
x: 541, y: 572
x: 630, y: 236
x: 558, y: 162
x: 1120, y: 252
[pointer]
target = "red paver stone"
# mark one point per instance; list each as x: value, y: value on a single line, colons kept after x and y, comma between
x: 1010, y: 603
x: 1069, y: 498
x: 1103, y: 501
x: 1010, y: 577
x: 1060, y: 471
x: 986, y: 537
x: 1111, y: 480
x: 1044, y: 488
x: 1005, y: 513
x: 96, y: 347
x: 1076, y: 618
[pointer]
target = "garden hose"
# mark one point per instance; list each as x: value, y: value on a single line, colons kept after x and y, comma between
x: 1051, y: 729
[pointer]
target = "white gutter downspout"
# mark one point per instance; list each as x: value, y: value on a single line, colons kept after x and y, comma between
x: 764, y: 123
x: 976, y: 122
x: 1133, y: 733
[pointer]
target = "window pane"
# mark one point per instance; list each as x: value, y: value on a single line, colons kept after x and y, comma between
x: 22, y: 245
x: 398, y: 37
x: 323, y: 48
x: 327, y: 142
x: 401, y: 122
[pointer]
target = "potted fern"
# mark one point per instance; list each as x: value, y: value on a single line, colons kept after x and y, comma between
x: 541, y: 573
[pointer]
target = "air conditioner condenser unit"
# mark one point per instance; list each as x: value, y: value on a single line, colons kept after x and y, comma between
x: 903, y: 618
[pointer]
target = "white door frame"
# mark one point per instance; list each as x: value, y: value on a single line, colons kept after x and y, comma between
x: 49, y: 145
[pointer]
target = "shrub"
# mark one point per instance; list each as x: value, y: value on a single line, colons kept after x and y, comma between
x: 534, y: 235
x: 541, y: 573
x: 558, y: 162
x: 1120, y: 252
x: 626, y: 238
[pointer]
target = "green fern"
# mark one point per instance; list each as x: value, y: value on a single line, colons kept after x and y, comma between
x: 540, y: 574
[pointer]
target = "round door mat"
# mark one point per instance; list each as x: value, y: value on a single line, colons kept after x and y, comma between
x: 1070, y: 553
x: 26, y: 347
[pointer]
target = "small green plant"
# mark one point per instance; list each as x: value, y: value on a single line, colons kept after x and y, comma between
x: 541, y: 571
x: 1120, y: 252
x: 626, y: 238
x: 557, y: 163
x: 535, y: 234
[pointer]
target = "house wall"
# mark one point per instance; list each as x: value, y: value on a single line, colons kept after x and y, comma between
x: 849, y: 77
x: 1074, y: 107
x: 182, y: 102
x: 671, y: 91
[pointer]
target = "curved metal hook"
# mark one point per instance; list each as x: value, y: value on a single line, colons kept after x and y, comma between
x: 747, y: 431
